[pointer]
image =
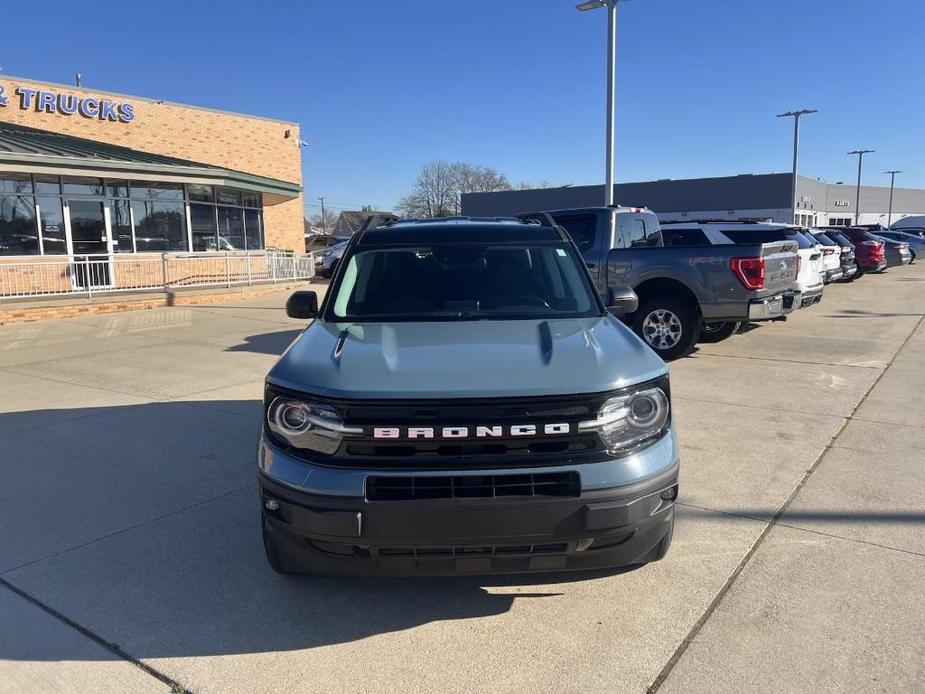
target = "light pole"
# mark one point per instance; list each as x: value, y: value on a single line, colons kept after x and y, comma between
x: 611, y: 6
x: 889, y: 214
x: 796, y: 149
x: 324, y: 224
x: 857, y: 200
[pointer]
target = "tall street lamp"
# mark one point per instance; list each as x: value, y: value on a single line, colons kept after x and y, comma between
x: 611, y: 6
x: 889, y: 214
x: 857, y: 201
x: 796, y: 149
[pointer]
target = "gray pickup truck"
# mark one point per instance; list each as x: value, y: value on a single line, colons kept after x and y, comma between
x: 681, y: 289
x: 465, y: 401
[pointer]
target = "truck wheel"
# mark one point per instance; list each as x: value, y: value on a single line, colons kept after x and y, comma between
x: 668, y: 325
x: 717, y: 331
x: 276, y: 558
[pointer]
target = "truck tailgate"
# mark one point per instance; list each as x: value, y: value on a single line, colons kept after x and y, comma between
x: 781, y: 264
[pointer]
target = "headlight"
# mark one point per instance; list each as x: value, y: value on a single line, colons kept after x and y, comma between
x: 306, y: 424
x: 626, y: 421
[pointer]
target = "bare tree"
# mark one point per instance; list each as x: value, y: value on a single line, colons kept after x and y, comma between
x: 439, y: 184
x: 330, y: 219
x: 526, y: 185
x: 434, y: 192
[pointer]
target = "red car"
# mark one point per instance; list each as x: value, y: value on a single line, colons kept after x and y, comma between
x: 869, y: 253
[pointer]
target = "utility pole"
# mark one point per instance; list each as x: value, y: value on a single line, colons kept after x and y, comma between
x: 857, y: 201
x: 611, y: 6
x: 796, y: 149
x: 889, y: 214
x: 324, y: 222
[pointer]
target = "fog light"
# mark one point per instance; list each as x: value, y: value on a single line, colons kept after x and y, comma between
x: 670, y: 494
x: 273, y: 504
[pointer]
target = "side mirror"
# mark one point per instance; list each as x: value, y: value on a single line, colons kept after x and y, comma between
x: 302, y: 305
x: 622, y: 300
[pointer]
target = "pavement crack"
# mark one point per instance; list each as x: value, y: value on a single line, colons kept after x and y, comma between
x: 96, y: 638
x: 791, y: 361
x: 679, y: 652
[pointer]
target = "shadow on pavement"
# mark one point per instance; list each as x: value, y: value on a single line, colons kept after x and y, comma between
x: 267, y: 343
x: 811, y: 516
x: 853, y: 313
x: 141, y: 524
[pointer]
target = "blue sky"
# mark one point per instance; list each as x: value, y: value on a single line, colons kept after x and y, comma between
x: 382, y: 87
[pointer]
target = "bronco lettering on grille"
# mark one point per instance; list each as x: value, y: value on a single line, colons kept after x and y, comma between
x: 469, y: 432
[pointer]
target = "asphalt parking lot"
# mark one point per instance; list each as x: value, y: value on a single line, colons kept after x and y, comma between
x: 130, y: 525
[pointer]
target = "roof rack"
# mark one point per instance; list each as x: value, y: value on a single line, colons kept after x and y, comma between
x: 455, y: 218
x: 713, y: 221
x: 544, y: 218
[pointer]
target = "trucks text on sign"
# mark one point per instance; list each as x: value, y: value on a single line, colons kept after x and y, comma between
x: 48, y: 101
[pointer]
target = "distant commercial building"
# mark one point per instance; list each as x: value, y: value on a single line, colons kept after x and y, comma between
x: 745, y: 197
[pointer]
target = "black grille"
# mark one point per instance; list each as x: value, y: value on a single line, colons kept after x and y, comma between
x: 411, y: 488
x: 471, y: 413
x: 521, y: 446
x: 549, y: 548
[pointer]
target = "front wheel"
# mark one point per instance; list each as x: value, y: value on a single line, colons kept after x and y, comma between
x: 668, y: 325
x: 717, y: 331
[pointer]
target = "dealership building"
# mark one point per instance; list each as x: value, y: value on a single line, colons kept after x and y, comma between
x: 760, y: 197
x: 92, y: 174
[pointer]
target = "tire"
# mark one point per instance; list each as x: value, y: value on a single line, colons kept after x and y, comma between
x: 670, y: 326
x: 276, y: 557
x: 717, y: 331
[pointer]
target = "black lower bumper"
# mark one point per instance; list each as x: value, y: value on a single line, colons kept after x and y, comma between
x: 598, y: 529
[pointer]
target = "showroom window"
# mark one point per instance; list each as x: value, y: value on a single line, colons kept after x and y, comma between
x: 19, y: 234
x: 225, y: 219
x: 144, y: 216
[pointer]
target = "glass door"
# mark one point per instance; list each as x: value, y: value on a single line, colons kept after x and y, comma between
x: 89, y: 232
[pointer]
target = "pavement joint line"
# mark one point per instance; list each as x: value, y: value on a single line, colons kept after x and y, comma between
x: 96, y: 638
x: 69, y: 383
x: 791, y: 361
x: 757, y: 407
x: 150, y: 394
x: 122, y: 531
x: 679, y: 652
x: 804, y: 529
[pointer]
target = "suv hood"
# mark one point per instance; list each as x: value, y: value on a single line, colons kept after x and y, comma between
x: 461, y: 359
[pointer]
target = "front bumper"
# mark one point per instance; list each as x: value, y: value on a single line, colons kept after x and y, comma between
x: 773, y: 307
x: 601, y: 527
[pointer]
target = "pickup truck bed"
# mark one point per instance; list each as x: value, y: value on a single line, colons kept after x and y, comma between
x: 679, y: 288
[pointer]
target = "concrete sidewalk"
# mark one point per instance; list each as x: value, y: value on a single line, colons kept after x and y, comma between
x: 131, y: 525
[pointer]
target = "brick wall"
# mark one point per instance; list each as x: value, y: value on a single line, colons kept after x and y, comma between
x: 234, y: 141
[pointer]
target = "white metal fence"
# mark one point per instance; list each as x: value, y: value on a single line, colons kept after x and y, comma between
x: 89, y: 275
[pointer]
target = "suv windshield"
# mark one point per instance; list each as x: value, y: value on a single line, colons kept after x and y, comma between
x: 463, y: 281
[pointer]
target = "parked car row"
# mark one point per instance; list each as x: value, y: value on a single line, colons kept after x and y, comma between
x: 701, y: 280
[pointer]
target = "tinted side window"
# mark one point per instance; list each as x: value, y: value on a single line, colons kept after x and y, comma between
x: 802, y: 240
x: 684, y: 237
x: 581, y: 229
x: 633, y: 232
x: 755, y: 235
